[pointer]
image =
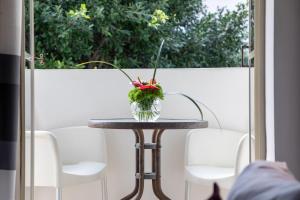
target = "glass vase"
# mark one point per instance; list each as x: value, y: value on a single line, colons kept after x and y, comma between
x: 146, y: 112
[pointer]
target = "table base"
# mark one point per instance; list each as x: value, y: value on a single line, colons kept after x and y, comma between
x: 155, y: 175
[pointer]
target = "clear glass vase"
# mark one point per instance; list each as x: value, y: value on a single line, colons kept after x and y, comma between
x: 146, y: 112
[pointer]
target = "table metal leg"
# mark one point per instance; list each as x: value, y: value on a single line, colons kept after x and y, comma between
x: 156, y: 183
x: 154, y: 135
x: 137, y: 164
x: 140, y: 165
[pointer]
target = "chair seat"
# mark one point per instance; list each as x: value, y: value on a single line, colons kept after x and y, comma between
x: 82, y: 172
x: 206, y: 175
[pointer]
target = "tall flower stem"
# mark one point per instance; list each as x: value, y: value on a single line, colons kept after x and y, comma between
x: 107, y: 63
x: 157, y: 59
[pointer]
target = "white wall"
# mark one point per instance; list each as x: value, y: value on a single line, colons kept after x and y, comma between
x: 71, y: 97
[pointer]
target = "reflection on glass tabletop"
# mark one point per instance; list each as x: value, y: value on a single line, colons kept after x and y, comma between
x: 162, y: 123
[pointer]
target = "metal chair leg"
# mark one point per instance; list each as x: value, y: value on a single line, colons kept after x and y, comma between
x: 58, y: 193
x: 187, y: 191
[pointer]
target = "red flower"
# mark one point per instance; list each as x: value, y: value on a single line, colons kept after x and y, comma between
x: 137, y: 84
x: 151, y: 87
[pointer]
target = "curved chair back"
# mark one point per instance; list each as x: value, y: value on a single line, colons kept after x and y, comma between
x: 81, y: 143
x: 243, y: 153
x: 47, y: 166
x: 213, y: 147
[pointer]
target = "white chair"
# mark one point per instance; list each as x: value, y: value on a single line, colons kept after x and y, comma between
x: 215, y: 155
x: 69, y: 156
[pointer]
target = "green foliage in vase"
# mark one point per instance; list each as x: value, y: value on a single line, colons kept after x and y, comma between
x: 145, y: 97
x: 127, y: 33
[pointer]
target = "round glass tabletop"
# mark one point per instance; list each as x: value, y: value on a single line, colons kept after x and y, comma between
x: 162, y: 123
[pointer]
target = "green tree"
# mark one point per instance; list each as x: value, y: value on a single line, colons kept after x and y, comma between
x: 128, y: 33
x: 214, y: 40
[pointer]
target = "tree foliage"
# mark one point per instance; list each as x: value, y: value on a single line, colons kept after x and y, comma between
x: 128, y: 33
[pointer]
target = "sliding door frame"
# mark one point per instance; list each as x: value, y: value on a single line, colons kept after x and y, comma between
x: 259, y: 80
x: 21, y: 185
x: 20, y: 192
x: 259, y: 96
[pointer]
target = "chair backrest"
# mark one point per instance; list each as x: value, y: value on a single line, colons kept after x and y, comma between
x: 243, y: 153
x: 81, y: 143
x: 213, y: 147
x: 47, y: 167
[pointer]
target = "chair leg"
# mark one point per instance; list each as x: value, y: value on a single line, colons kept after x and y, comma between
x: 58, y: 193
x: 102, y: 189
x: 187, y: 191
x: 105, y: 188
x: 104, y: 193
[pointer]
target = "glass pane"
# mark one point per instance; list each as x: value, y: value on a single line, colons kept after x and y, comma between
x: 252, y: 79
x: 202, y: 34
x: 27, y: 135
x: 28, y: 106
